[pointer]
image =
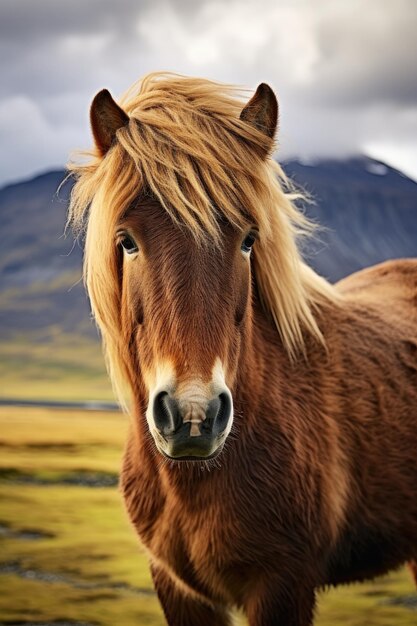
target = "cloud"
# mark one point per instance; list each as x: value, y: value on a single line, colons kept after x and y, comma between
x: 27, y: 22
x: 345, y: 75
x: 367, y: 56
x: 30, y: 142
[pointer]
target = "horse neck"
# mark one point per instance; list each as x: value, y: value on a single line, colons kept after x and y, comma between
x: 262, y: 361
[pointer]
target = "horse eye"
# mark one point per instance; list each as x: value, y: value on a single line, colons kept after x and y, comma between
x: 128, y: 244
x: 248, y: 242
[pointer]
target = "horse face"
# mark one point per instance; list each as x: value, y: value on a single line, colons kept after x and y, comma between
x: 188, y: 304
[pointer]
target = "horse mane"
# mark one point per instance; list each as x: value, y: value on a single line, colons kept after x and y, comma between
x: 186, y: 146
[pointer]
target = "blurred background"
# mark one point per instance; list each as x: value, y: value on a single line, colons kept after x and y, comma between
x: 345, y: 73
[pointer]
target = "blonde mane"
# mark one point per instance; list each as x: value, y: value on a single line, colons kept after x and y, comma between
x: 186, y: 145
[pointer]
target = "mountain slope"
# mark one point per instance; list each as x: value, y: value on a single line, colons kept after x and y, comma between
x: 40, y: 268
x: 368, y: 212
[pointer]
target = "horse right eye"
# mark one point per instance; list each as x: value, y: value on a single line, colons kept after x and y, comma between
x: 128, y: 244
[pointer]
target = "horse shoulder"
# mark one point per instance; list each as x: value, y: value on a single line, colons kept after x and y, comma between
x: 392, y: 285
x: 372, y: 347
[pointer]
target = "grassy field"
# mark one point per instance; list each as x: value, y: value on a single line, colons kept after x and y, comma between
x: 67, y: 551
x: 52, y: 365
x: 49, y: 346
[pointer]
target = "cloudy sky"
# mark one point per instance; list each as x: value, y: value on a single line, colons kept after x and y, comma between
x: 345, y: 71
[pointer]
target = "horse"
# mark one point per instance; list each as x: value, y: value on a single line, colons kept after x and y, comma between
x: 273, y: 415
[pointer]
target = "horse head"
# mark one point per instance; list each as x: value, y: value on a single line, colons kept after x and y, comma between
x: 182, y: 222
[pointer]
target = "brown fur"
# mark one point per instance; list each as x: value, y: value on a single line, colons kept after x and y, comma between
x: 317, y: 482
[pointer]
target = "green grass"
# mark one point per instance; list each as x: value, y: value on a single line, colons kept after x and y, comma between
x: 51, y: 365
x: 101, y: 571
x: 42, y: 440
x: 88, y: 538
x: 49, y: 362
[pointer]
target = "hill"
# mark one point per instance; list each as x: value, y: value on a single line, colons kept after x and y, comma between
x: 40, y: 267
x: 49, y: 346
x: 367, y: 209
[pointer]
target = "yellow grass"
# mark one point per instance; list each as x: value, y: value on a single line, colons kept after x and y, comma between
x: 89, y: 545
x: 60, y: 440
x: 51, y: 365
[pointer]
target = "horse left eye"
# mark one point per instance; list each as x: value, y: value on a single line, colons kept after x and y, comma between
x: 248, y: 243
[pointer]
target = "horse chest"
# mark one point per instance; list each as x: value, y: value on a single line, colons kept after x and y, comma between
x: 194, y: 547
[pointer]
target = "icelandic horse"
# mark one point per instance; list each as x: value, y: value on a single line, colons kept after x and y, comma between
x: 273, y: 435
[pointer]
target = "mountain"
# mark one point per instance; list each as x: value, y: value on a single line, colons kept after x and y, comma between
x: 49, y: 348
x: 366, y: 210
x: 40, y: 267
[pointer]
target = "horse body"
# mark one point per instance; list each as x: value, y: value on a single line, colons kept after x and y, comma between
x: 380, y: 357
x: 313, y: 466
x: 310, y: 479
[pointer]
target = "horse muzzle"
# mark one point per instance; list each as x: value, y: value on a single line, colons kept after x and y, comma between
x: 191, y: 428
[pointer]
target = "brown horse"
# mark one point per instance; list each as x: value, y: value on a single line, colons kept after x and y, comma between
x: 272, y: 447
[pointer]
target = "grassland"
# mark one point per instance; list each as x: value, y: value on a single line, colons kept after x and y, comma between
x: 50, y: 364
x: 67, y: 551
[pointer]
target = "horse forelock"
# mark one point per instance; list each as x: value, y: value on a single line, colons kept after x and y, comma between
x: 186, y: 146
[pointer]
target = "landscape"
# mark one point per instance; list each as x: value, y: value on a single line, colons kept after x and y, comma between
x: 68, y: 554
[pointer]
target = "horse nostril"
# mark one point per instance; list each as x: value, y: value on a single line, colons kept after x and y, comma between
x: 165, y: 413
x: 223, y: 414
x: 217, y: 414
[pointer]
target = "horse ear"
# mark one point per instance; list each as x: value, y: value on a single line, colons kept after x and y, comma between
x: 106, y: 118
x: 262, y: 111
